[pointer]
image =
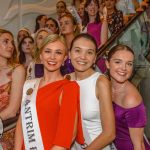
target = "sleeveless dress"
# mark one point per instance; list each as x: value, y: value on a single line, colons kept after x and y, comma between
x: 90, y: 110
x: 7, y: 139
x: 94, y: 29
x: 128, y: 118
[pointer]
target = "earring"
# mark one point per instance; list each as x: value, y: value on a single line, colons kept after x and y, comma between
x: 94, y: 65
x: 62, y: 64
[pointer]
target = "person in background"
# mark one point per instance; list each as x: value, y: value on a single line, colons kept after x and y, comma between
x: 12, y: 77
x: 40, y: 22
x: 35, y: 68
x: 95, y: 27
x: 52, y: 25
x: 22, y: 33
x: 69, y: 29
x: 61, y: 8
x: 77, y: 3
x: 130, y: 113
x: 114, y: 17
x: 80, y: 10
x: 95, y: 95
x: 57, y: 121
x: 26, y: 49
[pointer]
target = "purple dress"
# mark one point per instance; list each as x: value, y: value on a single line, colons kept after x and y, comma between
x: 67, y: 67
x: 39, y: 70
x: 128, y: 118
x: 94, y: 29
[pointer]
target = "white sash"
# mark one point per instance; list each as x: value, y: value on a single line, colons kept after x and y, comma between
x: 31, y: 130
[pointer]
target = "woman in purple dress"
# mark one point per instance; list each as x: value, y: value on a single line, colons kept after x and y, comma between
x: 96, y: 27
x: 129, y: 109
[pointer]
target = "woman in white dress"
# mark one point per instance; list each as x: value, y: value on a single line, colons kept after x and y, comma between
x: 95, y: 95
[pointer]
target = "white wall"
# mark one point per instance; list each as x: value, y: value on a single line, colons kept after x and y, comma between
x: 15, y: 14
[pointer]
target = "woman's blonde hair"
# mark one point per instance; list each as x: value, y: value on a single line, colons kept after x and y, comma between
x: 36, y: 52
x: 52, y: 38
x: 14, y: 59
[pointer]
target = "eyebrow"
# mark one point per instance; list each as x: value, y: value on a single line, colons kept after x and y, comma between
x: 120, y: 59
x: 87, y: 49
x: 52, y: 49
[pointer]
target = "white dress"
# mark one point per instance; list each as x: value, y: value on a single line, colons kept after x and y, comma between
x: 90, y: 110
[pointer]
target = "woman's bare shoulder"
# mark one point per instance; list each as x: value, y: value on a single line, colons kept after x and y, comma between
x: 132, y: 97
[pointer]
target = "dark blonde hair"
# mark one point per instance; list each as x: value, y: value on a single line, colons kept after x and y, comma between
x: 36, y: 52
x: 69, y: 15
x: 52, y: 38
x: 14, y: 59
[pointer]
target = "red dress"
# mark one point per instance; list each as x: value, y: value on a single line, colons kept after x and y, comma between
x: 57, y: 119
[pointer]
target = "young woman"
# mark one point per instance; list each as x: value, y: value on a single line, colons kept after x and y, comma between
x: 69, y: 29
x: 54, y: 115
x: 35, y: 68
x: 127, y: 102
x: 92, y: 23
x: 114, y: 16
x: 61, y: 8
x: 22, y: 33
x: 12, y: 76
x: 26, y: 49
x: 52, y: 24
x: 95, y: 95
x: 95, y: 27
x: 40, y: 22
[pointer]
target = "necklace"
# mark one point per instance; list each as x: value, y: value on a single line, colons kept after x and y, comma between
x: 119, y: 89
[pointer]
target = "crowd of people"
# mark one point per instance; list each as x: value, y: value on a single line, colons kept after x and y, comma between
x: 64, y: 97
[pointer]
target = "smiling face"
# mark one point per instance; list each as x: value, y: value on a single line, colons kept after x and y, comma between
x: 92, y: 8
x: 53, y: 56
x: 120, y: 65
x: 6, y: 45
x: 83, y: 54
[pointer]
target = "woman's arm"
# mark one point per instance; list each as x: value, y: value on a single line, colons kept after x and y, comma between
x: 136, y: 135
x: 67, y: 126
x: 104, y: 28
x: 18, y: 78
x: 18, y: 135
x: 103, y: 91
x: 55, y: 147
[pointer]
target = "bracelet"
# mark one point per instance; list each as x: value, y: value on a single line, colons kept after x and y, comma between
x: 1, y: 127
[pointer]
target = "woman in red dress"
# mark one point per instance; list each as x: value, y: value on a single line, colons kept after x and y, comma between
x: 58, y: 121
